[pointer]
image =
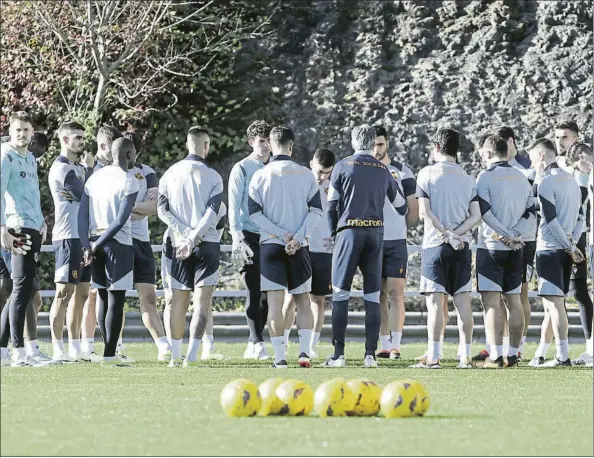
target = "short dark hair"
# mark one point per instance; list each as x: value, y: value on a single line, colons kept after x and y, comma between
x: 325, y: 157
x: 134, y: 138
x: 380, y: 131
x: 281, y: 136
x: 506, y: 133
x: 569, y: 125
x: 120, y: 147
x: 545, y: 142
x: 20, y: 116
x: 40, y: 139
x: 197, y: 131
x: 70, y: 126
x: 109, y: 132
x: 448, y: 141
x: 497, y: 144
x: 258, y: 128
x: 576, y: 150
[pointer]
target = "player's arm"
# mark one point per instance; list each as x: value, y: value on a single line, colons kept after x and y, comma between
x: 334, y: 195
x: 484, y: 202
x: 255, y: 208
x: 396, y: 196
x: 237, y: 188
x: 423, y: 197
x: 409, y: 187
x: 522, y: 227
x: 314, y: 212
x: 164, y: 213
x: 5, y: 175
x: 546, y: 196
x: 474, y: 215
x: 212, y: 209
x: 149, y: 206
x: 73, y: 185
x: 83, y: 221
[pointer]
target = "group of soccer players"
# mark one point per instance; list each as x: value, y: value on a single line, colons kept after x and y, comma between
x: 299, y: 234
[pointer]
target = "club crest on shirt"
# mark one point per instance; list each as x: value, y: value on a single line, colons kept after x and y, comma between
x: 327, y: 189
x: 394, y: 174
x: 139, y: 176
x: 75, y: 274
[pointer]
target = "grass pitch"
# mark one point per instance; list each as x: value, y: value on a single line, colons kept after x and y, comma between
x: 84, y: 409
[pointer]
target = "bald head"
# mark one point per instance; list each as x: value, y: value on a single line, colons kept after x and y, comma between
x: 198, y: 142
x: 124, y: 153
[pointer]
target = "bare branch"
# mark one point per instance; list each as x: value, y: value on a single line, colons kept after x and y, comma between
x: 50, y: 23
x: 183, y: 19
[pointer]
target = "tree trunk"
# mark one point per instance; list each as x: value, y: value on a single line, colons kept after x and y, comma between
x: 100, y: 94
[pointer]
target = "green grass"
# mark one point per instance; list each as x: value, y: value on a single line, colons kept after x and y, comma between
x: 85, y: 409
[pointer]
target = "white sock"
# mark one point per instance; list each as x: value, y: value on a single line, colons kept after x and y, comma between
x: 278, y: 343
x: 32, y: 348
x: 487, y: 346
x: 176, y: 348
x: 589, y: 346
x: 74, y: 345
x: 513, y: 351
x: 460, y: 350
x: 505, y: 345
x: 465, y: 351
x: 286, y: 336
x: 19, y: 354
x: 385, y: 343
x: 120, y: 344
x: 434, y: 351
x: 88, y: 345
x: 58, y: 347
x: 522, y: 344
x: 4, y: 352
x: 162, y: 344
x: 563, y: 350
x: 496, y: 351
x: 192, y: 353
x: 396, y: 338
x: 441, y: 346
x: 542, y: 350
x: 315, y: 338
x: 207, y: 342
x: 304, y: 340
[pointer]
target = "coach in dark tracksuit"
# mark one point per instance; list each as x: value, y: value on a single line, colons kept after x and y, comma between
x: 358, y: 189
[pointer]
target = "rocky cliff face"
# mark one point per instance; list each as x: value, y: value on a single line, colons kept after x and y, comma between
x: 416, y: 66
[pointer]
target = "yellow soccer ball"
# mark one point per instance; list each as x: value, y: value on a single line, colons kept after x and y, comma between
x: 366, y: 394
x: 333, y: 399
x: 296, y: 396
x: 271, y: 404
x: 423, y: 401
x: 240, y: 398
x: 399, y: 399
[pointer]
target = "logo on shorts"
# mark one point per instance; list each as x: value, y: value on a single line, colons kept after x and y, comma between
x: 401, y: 270
x: 139, y: 176
x: 75, y: 274
x: 394, y: 174
x: 364, y: 222
x: 23, y: 174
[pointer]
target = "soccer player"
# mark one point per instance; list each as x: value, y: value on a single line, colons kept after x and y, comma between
x: 38, y: 146
x: 246, y: 236
x: 580, y: 157
x: 560, y: 228
x: 21, y: 227
x: 449, y: 207
x: 507, y: 207
x: 190, y: 195
x: 285, y: 205
x: 395, y: 257
x: 358, y: 189
x: 105, y: 232
x: 320, y: 253
x: 145, y: 267
x: 105, y: 138
x: 66, y: 182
